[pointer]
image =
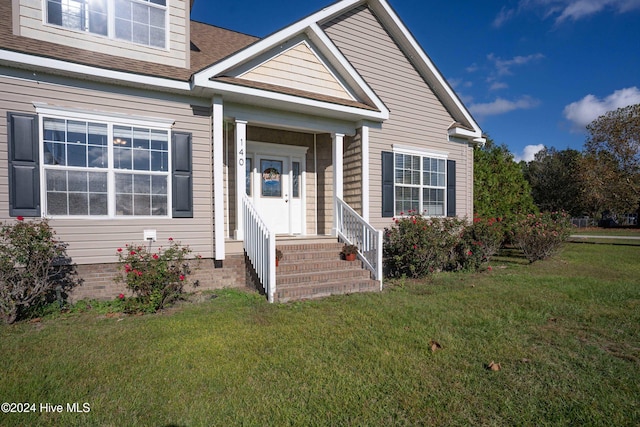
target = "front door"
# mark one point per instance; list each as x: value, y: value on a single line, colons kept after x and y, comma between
x: 273, y: 192
x: 275, y: 182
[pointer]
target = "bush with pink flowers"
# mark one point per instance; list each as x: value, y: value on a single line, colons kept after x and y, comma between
x: 418, y: 245
x: 155, y: 277
x: 541, y: 235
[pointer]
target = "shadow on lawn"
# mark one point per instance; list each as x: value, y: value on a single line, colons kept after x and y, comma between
x: 510, y: 255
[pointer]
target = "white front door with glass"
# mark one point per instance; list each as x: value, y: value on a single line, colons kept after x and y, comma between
x: 275, y: 184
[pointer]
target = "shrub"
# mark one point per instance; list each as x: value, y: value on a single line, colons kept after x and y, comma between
x: 480, y: 241
x: 33, y: 266
x: 541, y: 235
x: 156, y: 278
x: 416, y: 246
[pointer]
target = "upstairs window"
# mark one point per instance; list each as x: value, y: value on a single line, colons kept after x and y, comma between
x: 138, y: 21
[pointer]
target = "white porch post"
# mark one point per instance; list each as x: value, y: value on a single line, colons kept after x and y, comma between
x: 218, y: 177
x: 365, y: 172
x: 338, y: 175
x: 241, y: 161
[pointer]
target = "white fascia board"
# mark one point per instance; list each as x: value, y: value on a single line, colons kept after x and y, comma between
x: 296, y: 121
x: 201, y: 78
x: 94, y: 73
x: 458, y: 132
x: 381, y: 6
x: 348, y: 68
x: 281, y: 100
x: 462, y: 133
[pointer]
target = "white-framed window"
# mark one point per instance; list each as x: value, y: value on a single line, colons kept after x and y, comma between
x: 138, y: 21
x: 101, y: 167
x: 420, y: 183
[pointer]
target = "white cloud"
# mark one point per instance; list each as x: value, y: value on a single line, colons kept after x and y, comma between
x: 503, y: 66
x: 472, y: 68
x: 503, y: 16
x: 529, y: 153
x: 498, y: 85
x: 564, y: 10
x: 589, y: 108
x: 577, y: 9
x: 502, y: 106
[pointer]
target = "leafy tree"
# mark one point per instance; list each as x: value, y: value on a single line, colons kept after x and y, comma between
x: 611, y: 169
x: 555, y: 181
x: 500, y: 189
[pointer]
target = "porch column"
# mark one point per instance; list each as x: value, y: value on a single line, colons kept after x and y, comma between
x: 338, y: 175
x: 218, y: 177
x: 365, y: 171
x: 240, y: 167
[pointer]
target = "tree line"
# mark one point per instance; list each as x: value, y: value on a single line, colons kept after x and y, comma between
x: 602, y: 178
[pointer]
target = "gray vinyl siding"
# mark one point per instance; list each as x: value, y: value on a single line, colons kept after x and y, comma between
x: 417, y: 117
x: 96, y: 240
x: 352, y: 175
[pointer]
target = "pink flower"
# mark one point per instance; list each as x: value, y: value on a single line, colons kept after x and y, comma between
x: 171, y: 239
x: 20, y: 218
x: 155, y: 256
x: 127, y: 268
x: 181, y: 277
x: 469, y: 253
x: 119, y: 249
x: 489, y: 268
x: 132, y: 253
x: 121, y: 296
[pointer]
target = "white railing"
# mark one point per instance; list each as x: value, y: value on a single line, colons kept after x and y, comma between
x: 354, y: 230
x: 260, y: 246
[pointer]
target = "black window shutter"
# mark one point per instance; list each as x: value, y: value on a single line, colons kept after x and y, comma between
x: 182, y: 175
x: 24, y: 169
x: 451, y: 188
x: 388, y: 208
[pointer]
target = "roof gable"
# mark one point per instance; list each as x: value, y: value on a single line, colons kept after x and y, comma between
x: 310, y: 27
x: 277, y: 68
x: 297, y: 66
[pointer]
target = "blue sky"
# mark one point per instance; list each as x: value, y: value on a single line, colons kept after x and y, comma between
x: 532, y: 72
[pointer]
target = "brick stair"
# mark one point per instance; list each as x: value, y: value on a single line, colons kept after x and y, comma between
x: 315, y: 270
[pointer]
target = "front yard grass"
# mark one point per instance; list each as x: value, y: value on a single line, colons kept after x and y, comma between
x: 566, y: 333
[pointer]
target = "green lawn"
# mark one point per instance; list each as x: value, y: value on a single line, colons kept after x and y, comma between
x: 566, y: 333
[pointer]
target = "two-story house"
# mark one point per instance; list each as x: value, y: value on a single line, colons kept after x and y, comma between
x: 123, y: 121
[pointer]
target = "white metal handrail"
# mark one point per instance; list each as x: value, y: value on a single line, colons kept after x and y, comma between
x: 354, y: 230
x: 260, y: 246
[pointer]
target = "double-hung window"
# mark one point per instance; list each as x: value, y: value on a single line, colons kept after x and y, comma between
x: 420, y: 183
x: 138, y: 21
x: 103, y: 168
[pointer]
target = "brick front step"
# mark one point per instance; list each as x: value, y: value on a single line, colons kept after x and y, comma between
x: 313, y: 264
x: 315, y: 270
x: 319, y: 290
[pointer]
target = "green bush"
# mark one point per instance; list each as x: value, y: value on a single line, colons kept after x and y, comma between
x: 480, y: 241
x: 541, y: 235
x: 416, y: 245
x: 156, y: 278
x: 34, y: 266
